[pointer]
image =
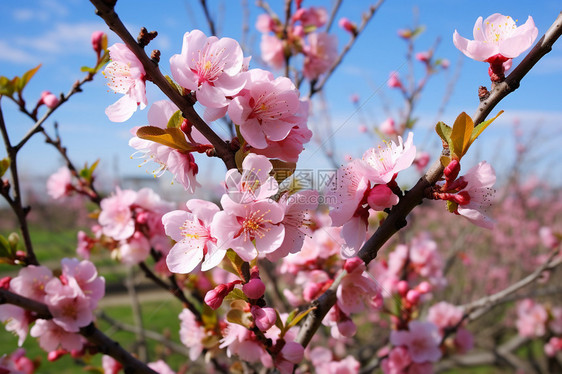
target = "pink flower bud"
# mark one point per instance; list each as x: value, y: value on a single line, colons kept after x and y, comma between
x: 362, y: 129
x: 347, y: 25
x: 353, y: 263
x: 214, y: 297
x: 381, y: 197
x: 446, y: 63
x: 99, y: 41
x: 293, y: 352
x: 346, y: 327
x: 48, y: 99
x: 413, y: 297
x: 265, y: 23
x: 394, y: 80
x: 548, y: 238
x: 387, y: 127
x: 402, y: 287
x: 354, y: 98
x: 421, y: 160
x: 423, y: 56
x: 55, y: 355
x: 264, y: 318
x: 452, y: 170
x: 254, y: 289
x: 424, y: 287
x: 5, y: 282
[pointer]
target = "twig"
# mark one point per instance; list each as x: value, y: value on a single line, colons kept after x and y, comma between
x: 137, y: 315
x: 335, y: 9
x: 105, y: 9
x: 397, y: 217
x: 366, y: 18
x: 210, y: 21
x: 90, y: 332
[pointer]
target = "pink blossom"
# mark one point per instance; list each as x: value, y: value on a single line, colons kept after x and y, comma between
x: 555, y: 323
x: 239, y: 226
x: 347, y: 25
x: 68, y: 305
x: 464, y: 341
x: 126, y: 76
x: 99, y: 42
x: 116, y: 218
x: 345, y: 197
x: 209, y: 66
x: 387, y: 127
x: 423, y: 56
x: 135, y: 250
x: 191, y: 334
x: 531, y: 319
x: 398, y: 360
x: 272, y: 51
x: 291, y: 147
x: 324, y: 362
x: 51, y: 336
x: 497, y: 35
x: 385, y: 162
x: 181, y: 164
x: 548, y: 238
x: 355, y: 291
x: 31, y: 282
x: 293, y: 352
x: 422, y: 340
x: 16, y: 320
x: 298, y: 208
x: 320, y: 54
x: 194, y: 241
x: 480, y: 180
x: 161, y: 367
x: 312, y: 16
x: 265, y: 23
x: 394, y: 80
x: 16, y: 363
x: 381, y: 197
x: 254, y: 183
x: 444, y: 315
x: 421, y: 160
x: 553, y: 346
x: 264, y: 318
x: 59, y: 184
x: 110, y: 365
x: 86, y: 276
x: 50, y: 100
x: 267, y: 109
x: 239, y: 340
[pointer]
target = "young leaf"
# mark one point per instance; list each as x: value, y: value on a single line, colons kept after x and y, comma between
x: 237, y: 263
x: 481, y: 127
x: 22, y: 82
x: 236, y: 294
x: 5, y: 248
x: 175, y: 120
x: 298, y: 318
x: 170, y: 137
x: 460, y: 136
x: 444, y: 132
x: 6, y: 87
x: 4, y: 165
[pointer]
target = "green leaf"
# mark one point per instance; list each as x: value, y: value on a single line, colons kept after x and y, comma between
x: 460, y: 136
x: 481, y: 127
x: 174, y: 84
x: 175, y: 120
x: 86, y: 69
x: 238, y: 316
x: 445, y: 160
x: 6, y: 87
x: 411, y: 122
x: 444, y: 132
x: 5, y: 248
x: 4, y: 165
x: 298, y: 318
x: 25, y: 78
x: 278, y: 321
x: 170, y: 137
x: 418, y: 31
x: 236, y: 294
x: 237, y: 263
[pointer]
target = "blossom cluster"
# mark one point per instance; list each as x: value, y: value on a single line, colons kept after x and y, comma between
x: 71, y: 297
x: 535, y: 320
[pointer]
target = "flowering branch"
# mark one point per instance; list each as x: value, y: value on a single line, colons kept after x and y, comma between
x: 396, y: 219
x: 105, y: 9
x: 90, y: 332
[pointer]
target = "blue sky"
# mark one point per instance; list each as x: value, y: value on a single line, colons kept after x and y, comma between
x: 57, y: 34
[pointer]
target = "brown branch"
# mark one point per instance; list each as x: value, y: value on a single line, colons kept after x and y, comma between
x: 105, y: 9
x: 90, y: 332
x: 397, y: 217
x: 210, y: 21
x: 365, y: 20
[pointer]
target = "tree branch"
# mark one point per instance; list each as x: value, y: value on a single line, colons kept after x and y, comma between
x: 105, y: 9
x: 90, y: 332
x: 397, y: 217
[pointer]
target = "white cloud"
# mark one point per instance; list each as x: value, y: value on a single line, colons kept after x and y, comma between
x: 13, y: 54
x: 62, y: 39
